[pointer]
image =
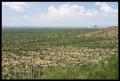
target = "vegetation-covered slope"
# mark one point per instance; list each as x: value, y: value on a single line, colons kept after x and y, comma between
x: 59, y: 54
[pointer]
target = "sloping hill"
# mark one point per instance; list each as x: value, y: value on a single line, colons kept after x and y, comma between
x: 110, y: 32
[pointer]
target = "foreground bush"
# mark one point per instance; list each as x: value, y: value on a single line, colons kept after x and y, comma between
x: 107, y: 69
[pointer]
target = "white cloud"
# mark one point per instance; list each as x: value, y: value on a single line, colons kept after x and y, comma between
x: 91, y: 12
x: 26, y: 17
x: 66, y: 13
x: 105, y: 8
x: 17, y: 6
x: 66, y: 9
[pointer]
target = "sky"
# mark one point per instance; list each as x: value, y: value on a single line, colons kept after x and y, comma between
x: 59, y: 14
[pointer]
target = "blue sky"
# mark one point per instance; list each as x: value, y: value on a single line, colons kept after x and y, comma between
x: 59, y: 14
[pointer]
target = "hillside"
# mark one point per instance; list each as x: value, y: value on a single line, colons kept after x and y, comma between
x: 110, y: 32
x: 59, y: 54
